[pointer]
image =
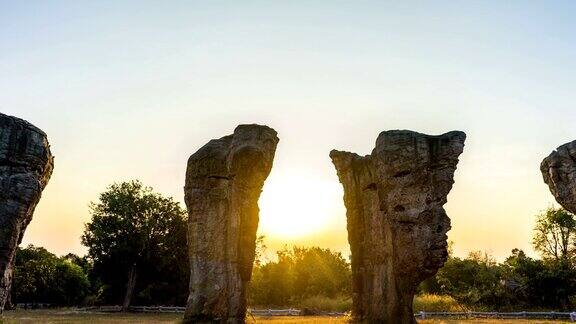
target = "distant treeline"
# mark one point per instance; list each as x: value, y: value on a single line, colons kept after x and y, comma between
x: 520, y: 282
x: 476, y: 282
x: 137, y: 254
x: 302, y: 277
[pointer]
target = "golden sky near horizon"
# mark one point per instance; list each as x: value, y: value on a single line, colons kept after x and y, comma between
x: 128, y: 90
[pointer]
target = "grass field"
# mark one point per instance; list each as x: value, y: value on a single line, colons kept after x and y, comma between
x: 70, y: 316
x: 63, y: 316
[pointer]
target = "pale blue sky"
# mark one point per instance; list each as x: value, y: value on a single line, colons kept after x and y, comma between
x: 129, y: 89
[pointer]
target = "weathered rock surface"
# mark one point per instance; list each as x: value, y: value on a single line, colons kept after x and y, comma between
x: 25, y: 167
x: 224, y: 180
x: 559, y: 172
x: 396, y: 223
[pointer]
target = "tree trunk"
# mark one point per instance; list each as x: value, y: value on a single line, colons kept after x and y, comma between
x: 130, y: 287
x: 9, y: 305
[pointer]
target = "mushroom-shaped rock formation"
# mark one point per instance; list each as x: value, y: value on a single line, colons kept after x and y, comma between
x: 224, y: 180
x: 25, y: 167
x: 396, y: 223
x: 559, y: 172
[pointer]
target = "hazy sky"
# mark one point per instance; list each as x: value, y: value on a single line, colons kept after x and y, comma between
x: 129, y: 89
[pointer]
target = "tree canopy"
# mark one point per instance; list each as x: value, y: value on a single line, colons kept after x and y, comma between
x: 42, y: 277
x: 299, y: 273
x: 137, y: 241
x: 555, y: 234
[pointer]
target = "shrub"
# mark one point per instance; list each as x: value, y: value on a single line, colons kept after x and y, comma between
x: 331, y: 304
x: 436, y: 303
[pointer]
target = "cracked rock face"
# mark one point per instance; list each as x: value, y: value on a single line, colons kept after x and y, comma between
x: 559, y: 172
x: 25, y: 167
x: 224, y: 180
x: 395, y: 217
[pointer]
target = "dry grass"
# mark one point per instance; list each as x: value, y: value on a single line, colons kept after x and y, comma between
x: 436, y: 303
x: 322, y: 303
x: 67, y: 316
x: 425, y: 302
x: 334, y: 320
x: 299, y: 320
x: 490, y: 321
x: 64, y: 316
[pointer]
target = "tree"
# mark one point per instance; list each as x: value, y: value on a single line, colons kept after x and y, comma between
x: 272, y: 283
x: 81, y: 261
x: 320, y: 271
x: 297, y: 274
x: 136, y: 237
x: 42, y: 277
x: 475, y: 280
x: 519, y: 283
x: 259, y: 250
x: 540, y: 283
x: 70, y: 284
x: 555, y: 234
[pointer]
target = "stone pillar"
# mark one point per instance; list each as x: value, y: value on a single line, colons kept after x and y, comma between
x: 25, y: 167
x: 559, y: 173
x: 224, y: 180
x: 396, y: 223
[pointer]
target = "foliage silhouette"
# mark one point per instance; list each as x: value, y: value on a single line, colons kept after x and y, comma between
x: 136, y: 240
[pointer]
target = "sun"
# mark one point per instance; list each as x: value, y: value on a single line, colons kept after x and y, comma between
x: 295, y: 206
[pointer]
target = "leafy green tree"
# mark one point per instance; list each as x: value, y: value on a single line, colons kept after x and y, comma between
x: 260, y: 250
x: 136, y: 240
x: 299, y: 273
x: 320, y: 271
x: 555, y: 234
x: 81, y: 261
x: 475, y: 280
x: 42, y: 277
x: 519, y: 283
x: 70, y: 284
x: 272, y: 283
x: 540, y: 283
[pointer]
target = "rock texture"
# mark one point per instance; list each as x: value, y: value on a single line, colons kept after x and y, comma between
x: 25, y: 167
x: 396, y: 223
x: 559, y: 172
x: 224, y: 180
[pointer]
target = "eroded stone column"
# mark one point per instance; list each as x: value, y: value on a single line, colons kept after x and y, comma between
x: 25, y: 167
x: 396, y: 223
x: 224, y: 180
x: 559, y: 172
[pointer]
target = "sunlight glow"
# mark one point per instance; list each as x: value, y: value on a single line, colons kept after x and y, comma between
x: 294, y: 207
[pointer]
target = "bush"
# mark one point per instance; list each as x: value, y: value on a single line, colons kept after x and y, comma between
x: 42, y: 277
x: 436, y: 303
x: 298, y: 275
x: 323, y: 303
